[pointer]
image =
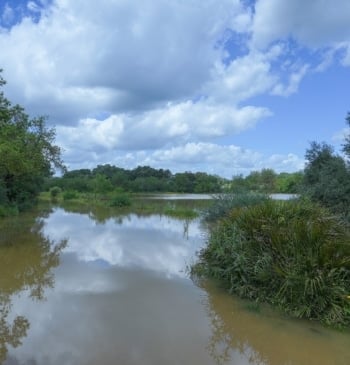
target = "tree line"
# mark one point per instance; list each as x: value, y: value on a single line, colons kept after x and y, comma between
x: 142, y: 179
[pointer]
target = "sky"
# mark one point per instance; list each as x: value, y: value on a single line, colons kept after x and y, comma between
x: 219, y: 86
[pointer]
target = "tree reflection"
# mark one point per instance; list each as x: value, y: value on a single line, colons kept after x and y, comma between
x: 26, y: 262
x: 231, y: 330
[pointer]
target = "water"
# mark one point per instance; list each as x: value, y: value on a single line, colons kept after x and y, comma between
x: 91, y: 288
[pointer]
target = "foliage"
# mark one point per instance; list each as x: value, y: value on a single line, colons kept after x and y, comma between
x: 267, y: 181
x: 27, y: 154
x: 292, y: 254
x: 346, y: 145
x: 106, y: 178
x: 55, y: 191
x: 224, y: 203
x: 327, y: 178
x: 120, y: 200
x: 70, y: 195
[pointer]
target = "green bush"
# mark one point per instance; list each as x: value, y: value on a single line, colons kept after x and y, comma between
x: 291, y: 254
x: 55, y: 191
x: 120, y: 200
x: 6, y: 211
x: 70, y: 195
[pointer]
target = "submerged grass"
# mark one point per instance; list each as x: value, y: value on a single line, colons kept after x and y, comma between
x: 291, y: 254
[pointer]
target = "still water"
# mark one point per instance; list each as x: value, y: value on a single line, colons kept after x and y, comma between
x: 93, y: 288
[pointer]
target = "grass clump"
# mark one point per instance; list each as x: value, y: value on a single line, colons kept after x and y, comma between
x: 291, y: 254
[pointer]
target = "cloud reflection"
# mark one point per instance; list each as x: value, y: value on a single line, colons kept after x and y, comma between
x: 155, y: 243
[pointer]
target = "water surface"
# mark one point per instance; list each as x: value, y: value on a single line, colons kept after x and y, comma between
x: 88, y: 288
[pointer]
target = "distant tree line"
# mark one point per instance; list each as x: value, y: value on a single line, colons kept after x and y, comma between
x: 106, y: 178
x: 268, y: 181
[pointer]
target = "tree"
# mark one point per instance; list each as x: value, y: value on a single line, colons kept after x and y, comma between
x: 327, y: 179
x: 27, y: 154
x: 346, y: 145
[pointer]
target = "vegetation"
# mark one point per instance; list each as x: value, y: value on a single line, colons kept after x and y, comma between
x: 327, y: 176
x: 27, y: 155
x: 120, y: 200
x: 291, y: 254
x: 143, y: 179
x: 224, y: 203
x: 267, y: 181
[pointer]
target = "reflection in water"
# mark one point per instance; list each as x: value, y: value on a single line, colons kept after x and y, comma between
x: 121, y: 296
x: 242, y: 334
x: 154, y: 242
x: 26, y: 260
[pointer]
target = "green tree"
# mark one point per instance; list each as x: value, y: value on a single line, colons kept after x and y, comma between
x: 289, y: 182
x: 326, y: 178
x: 101, y: 185
x: 27, y: 154
x: 346, y: 145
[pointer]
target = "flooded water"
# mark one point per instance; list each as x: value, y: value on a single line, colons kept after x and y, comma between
x: 91, y: 288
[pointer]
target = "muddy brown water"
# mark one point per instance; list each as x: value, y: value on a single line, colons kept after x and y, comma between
x: 76, y: 288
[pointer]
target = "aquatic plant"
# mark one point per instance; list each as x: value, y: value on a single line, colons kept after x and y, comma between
x: 292, y: 254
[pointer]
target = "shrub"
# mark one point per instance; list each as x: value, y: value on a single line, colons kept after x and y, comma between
x: 55, y: 191
x: 291, y: 254
x: 120, y: 200
x: 70, y: 195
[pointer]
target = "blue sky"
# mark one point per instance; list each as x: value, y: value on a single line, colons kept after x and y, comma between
x: 225, y: 87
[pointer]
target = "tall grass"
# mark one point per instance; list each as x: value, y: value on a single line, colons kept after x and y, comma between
x: 291, y: 254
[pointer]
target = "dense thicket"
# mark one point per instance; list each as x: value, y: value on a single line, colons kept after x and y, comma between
x: 27, y: 155
x: 292, y: 254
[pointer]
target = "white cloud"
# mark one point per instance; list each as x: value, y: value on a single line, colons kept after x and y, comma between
x: 34, y: 7
x: 119, y: 55
x: 316, y: 23
x: 292, y: 85
x: 173, y: 124
x: 146, y: 80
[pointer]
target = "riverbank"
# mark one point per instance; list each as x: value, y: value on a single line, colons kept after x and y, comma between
x: 292, y: 254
